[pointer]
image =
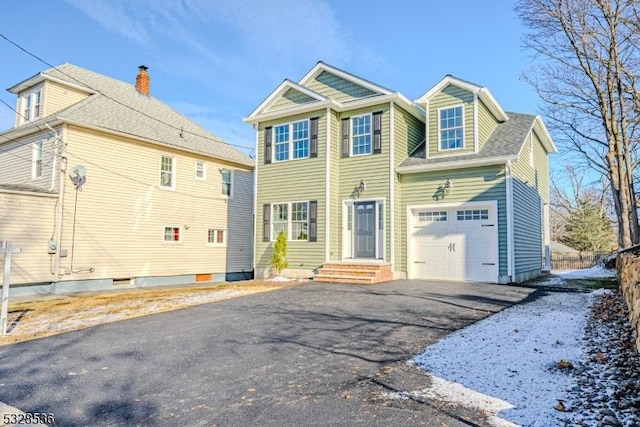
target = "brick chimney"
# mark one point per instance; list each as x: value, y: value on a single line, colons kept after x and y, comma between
x: 142, y: 81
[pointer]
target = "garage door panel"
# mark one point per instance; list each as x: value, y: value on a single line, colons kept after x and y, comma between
x: 455, y: 244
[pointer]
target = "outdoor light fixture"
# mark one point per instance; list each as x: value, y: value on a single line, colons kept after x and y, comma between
x: 362, y: 186
x: 448, y: 185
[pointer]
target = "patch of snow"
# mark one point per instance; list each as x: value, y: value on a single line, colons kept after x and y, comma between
x: 597, y: 271
x: 509, y: 356
x: 280, y: 279
x: 449, y: 391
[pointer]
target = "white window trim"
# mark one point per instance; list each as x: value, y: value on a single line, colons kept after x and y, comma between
x: 232, y: 183
x: 215, y: 230
x: 351, y: 135
x: 34, y: 159
x: 204, y: 170
x: 289, y: 221
x: 290, y: 141
x: 29, y: 98
x: 348, y: 245
x: 174, y: 170
x: 464, y: 136
x: 164, y: 227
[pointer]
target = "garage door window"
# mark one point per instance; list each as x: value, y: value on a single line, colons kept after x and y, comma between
x: 473, y: 215
x: 432, y: 216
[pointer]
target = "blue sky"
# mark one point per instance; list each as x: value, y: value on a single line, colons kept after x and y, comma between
x: 216, y: 60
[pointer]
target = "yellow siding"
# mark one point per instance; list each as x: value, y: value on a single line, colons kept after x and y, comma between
x: 57, y: 97
x: 121, y: 212
x: 451, y: 96
x: 16, y: 161
x: 293, y: 181
x: 541, y: 163
x: 28, y: 221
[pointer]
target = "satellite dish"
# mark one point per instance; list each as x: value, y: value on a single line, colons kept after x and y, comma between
x: 78, y: 175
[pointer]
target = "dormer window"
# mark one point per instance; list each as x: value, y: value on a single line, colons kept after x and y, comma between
x: 451, y: 128
x: 31, y: 106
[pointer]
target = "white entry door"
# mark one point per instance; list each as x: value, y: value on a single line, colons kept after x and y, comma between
x: 454, y: 243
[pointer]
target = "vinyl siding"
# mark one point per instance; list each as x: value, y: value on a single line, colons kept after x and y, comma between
x: 541, y: 163
x: 469, y: 185
x: 28, y: 221
x: 16, y: 162
x: 451, y: 96
x: 121, y: 212
x: 409, y: 132
x: 293, y: 181
x: 57, y: 97
x: 334, y: 87
x: 291, y: 98
x: 373, y: 169
x: 486, y: 123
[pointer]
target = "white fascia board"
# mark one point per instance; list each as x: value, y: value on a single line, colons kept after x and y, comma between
x: 25, y: 130
x: 460, y: 164
x: 41, y: 77
x: 447, y: 80
x: 281, y: 90
x: 492, y: 104
x: 544, y: 135
x: 298, y: 109
x: 321, y: 66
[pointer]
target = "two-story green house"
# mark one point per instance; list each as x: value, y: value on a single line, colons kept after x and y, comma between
x: 368, y: 185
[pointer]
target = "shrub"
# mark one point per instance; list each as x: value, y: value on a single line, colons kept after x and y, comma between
x: 279, y: 256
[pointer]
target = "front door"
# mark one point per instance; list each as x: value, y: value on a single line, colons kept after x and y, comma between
x: 365, y: 230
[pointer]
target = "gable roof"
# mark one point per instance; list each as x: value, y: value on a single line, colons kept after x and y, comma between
x: 381, y: 95
x: 482, y: 93
x: 116, y: 107
x: 504, y: 144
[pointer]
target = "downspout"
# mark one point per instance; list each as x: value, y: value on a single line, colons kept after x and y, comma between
x: 392, y: 189
x: 60, y: 208
x: 510, y: 231
x: 327, y: 191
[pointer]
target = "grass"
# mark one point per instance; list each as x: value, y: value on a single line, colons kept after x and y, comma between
x: 593, y: 283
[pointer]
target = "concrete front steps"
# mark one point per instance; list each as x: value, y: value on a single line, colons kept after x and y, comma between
x: 355, y: 273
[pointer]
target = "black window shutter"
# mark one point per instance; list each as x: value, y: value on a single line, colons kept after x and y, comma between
x: 377, y: 132
x: 313, y: 140
x: 345, y: 136
x: 267, y: 144
x: 266, y: 222
x: 313, y: 221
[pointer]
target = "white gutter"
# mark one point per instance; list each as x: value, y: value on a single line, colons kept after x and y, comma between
x: 510, y: 231
x: 392, y: 190
x: 327, y: 191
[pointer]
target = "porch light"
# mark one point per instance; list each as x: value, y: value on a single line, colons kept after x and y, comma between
x: 362, y: 186
x: 448, y: 185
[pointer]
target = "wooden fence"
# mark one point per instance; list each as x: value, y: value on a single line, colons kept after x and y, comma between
x: 574, y: 262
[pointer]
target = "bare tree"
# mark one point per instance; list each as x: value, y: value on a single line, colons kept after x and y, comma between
x: 587, y: 58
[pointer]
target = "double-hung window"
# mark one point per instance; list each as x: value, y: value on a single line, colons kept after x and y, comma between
x: 227, y: 183
x: 451, y: 128
x: 361, y: 135
x: 167, y: 172
x: 216, y: 237
x: 201, y: 170
x: 292, y: 218
x: 36, y: 160
x: 31, y: 105
x: 291, y: 141
x: 26, y: 115
x: 172, y: 234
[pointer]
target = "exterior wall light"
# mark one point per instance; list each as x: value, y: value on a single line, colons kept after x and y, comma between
x: 448, y: 185
x: 362, y: 186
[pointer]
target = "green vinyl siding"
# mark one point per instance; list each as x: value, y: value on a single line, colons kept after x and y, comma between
x: 373, y: 169
x: 486, y: 123
x: 469, y: 185
x: 337, y: 88
x: 451, y: 96
x: 291, y: 98
x: 530, y: 192
x: 292, y: 181
x: 408, y: 133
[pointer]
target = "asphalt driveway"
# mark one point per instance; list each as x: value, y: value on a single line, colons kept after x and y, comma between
x: 315, y: 354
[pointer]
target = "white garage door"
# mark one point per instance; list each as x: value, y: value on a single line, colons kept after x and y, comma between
x: 454, y: 244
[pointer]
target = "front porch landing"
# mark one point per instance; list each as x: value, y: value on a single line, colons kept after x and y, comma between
x: 354, y: 272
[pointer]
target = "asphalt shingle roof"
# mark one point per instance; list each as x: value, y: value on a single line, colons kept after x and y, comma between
x: 506, y: 140
x: 118, y: 106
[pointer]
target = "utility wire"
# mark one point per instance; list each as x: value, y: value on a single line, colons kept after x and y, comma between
x: 179, y: 129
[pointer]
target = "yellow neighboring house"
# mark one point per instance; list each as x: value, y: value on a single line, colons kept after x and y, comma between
x: 103, y: 186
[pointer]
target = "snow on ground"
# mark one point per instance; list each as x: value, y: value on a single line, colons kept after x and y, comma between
x: 510, y: 357
x: 597, y: 271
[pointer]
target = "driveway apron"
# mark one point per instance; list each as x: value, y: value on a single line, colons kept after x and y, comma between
x: 315, y: 354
